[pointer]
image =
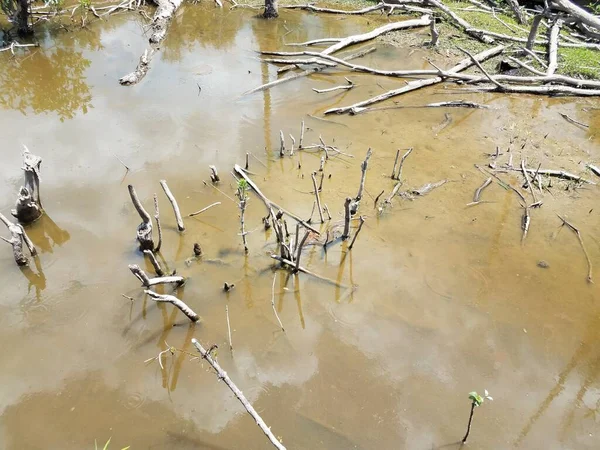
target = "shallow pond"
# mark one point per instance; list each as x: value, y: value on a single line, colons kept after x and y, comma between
x: 447, y: 300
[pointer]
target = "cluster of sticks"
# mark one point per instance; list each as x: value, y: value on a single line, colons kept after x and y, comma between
x: 28, y: 209
x: 533, y: 181
x: 548, y: 82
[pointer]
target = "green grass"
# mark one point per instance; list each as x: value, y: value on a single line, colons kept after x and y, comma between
x: 582, y: 62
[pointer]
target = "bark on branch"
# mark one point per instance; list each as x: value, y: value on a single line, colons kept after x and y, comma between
x: 28, y: 207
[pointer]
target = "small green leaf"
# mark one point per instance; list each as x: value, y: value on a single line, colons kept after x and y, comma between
x: 475, y: 398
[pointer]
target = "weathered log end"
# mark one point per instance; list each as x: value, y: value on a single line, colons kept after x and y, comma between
x: 26, y: 209
x: 144, y: 236
x: 140, y: 71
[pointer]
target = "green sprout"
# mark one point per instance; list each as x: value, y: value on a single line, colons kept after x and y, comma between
x: 476, y: 400
x: 85, y: 3
x: 107, y: 444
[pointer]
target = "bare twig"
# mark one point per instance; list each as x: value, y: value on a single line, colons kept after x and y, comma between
x: 222, y: 375
x: 318, y: 197
x: 570, y: 119
x: 587, y: 256
x: 174, y: 204
x: 203, y: 209
x: 158, y: 226
x: 148, y: 282
x: 154, y: 262
x: 273, y: 303
x: 362, y: 221
x: 228, y: 327
x: 184, y: 308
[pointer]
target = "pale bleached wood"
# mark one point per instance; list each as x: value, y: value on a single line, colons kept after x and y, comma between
x: 553, y: 47
x: 181, y: 305
x: 171, y: 197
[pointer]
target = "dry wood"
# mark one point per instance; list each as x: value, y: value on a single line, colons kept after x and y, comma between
x: 480, y: 67
x: 570, y: 119
x: 503, y: 183
x: 273, y: 303
x: 346, y: 233
x: 299, y: 250
x: 204, y: 209
x: 594, y: 169
x: 269, y: 203
x: 318, y: 198
x: 399, y: 175
x: 527, y: 181
x: 304, y: 73
x: 559, y: 174
x: 18, y: 236
x: 413, y: 85
x: 460, y: 22
x: 28, y: 206
x: 360, y: 225
x: 525, y: 222
x: 394, y: 168
x: 361, y: 187
x: 293, y: 145
x: 301, y: 136
x: 587, y: 256
x: 427, y: 188
x: 243, y: 197
x: 174, y: 204
x: 214, y: 174
x: 158, y: 226
x: 282, y: 144
x: 538, y: 90
x: 346, y: 87
x: 435, y: 35
x: 514, y: 5
x: 222, y: 375
x: 148, y: 282
x: 144, y: 229
x: 310, y: 7
x: 377, y: 198
x: 307, y: 272
x: 479, y: 190
x: 533, y: 31
x: 154, y: 263
x: 577, y: 12
x: 553, y: 47
x: 182, y: 306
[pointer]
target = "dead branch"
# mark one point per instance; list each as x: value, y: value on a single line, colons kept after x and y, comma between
x: 553, y: 47
x: 479, y: 190
x: 203, y: 209
x: 362, y: 221
x: 394, y: 168
x: 214, y: 174
x: 228, y: 327
x: 527, y: 180
x: 318, y: 197
x: 310, y: 7
x: 148, y: 282
x: 461, y: 23
x: 307, y: 272
x: 514, y: 5
x: 577, y: 12
x: 559, y: 174
x: 18, y: 235
x: 525, y: 222
x: 399, y: 176
x: 594, y: 169
x: 184, y: 308
x: 346, y: 87
x: 413, y: 85
x: 570, y: 119
x: 269, y: 203
x: 533, y: 31
x: 435, y: 35
x: 363, y: 167
x: 154, y: 263
x: 587, y: 256
x: 346, y: 233
x: 174, y: 204
x: 144, y: 229
x: 222, y: 375
x: 427, y: 188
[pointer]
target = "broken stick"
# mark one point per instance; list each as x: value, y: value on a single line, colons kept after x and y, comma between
x: 175, y: 302
x: 174, y: 204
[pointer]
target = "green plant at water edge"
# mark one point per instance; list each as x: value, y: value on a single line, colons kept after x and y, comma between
x: 595, y: 7
x: 85, y: 3
x: 57, y: 4
x: 476, y: 401
x: 107, y: 444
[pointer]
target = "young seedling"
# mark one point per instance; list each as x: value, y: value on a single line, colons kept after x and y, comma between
x: 243, y: 197
x: 476, y: 400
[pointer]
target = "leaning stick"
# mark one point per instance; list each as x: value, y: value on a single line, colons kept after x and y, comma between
x: 553, y: 47
x: 175, y: 302
x: 346, y: 233
x: 301, y: 136
x: 587, y: 257
x: 594, y: 169
x: 273, y: 303
x: 314, y: 179
x: 203, y: 209
x: 144, y: 229
x: 222, y: 375
x: 363, y: 167
x: 408, y: 152
x: 299, y: 250
x: 479, y: 190
x: 362, y: 221
x: 527, y: 181
x: 525, y: 222
x: 308, y: 272
x: 228, y: 327
x: 174, y: 204
x: 158, y: 227
x: 534, y: 27
x: 154, y: 263
x: 395, y: 164
x: 282, y: 146
x: 417, y: 84
x: 268, y: 203
x: 435, y: 35
x: 148, y: 282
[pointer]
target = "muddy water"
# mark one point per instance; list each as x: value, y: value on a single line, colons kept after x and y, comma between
x: 448, y: 301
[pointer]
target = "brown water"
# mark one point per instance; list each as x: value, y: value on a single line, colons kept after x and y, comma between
x: 448, y: 301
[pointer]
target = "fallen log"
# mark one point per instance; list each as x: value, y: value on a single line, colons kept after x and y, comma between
x: 414, y: 85
x: 577, y: 12
x: 222, y: 375
x: 310, y: 7
x: 160, y: 23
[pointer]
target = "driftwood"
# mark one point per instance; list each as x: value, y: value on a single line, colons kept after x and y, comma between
x: 222, y: 375
x: 427, y: 188
x: 318, y: 197
x: 214, y: 174
x: 160, y: 23
x: 184, y: 308
x: 18, y: 236
x: 346, y: 87
x: 587, y: 257
x: 479, y: 190
x: 533, y: 32
x: 144, y: 229
x: 148, y: 282
x: 573, y: 121
x: 28, y: 207
x: 514, y: 5
x: 310, y: 7
x: 461, y: 23
x: 174, y: 204
x: 154, y: 263
x: 579, y: 13
x: 414, y: 85
x: 158, y: 226
x: 269, y: 203
x: 559, y: 174
x: 399, y: 175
